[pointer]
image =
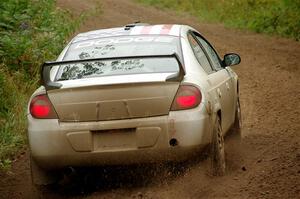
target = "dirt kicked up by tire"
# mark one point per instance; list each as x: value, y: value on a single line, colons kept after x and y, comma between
x: 266, y: 163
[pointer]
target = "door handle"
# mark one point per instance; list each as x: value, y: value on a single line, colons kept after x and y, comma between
x: 227, y: 86
x: 219, y: 93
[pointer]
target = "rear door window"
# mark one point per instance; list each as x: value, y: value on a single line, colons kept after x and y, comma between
x: 214, y: 58
x: 199, y: 54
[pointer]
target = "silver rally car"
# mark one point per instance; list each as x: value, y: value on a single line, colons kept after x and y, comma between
x: 135, y: 94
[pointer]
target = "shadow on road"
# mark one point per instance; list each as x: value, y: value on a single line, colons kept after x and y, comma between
x: 85, y: 181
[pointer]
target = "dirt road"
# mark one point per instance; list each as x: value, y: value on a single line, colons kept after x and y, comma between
x: 265, y: 165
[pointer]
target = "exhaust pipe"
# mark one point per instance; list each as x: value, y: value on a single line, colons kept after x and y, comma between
x: 173, y: 142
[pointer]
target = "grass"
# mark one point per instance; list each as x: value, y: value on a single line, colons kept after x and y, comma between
x: 31, y: 31
x: 280, y: 17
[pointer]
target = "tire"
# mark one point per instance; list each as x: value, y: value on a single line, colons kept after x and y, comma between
x: 237, y: 125
x: 218, y: 163
x: 40, y: 176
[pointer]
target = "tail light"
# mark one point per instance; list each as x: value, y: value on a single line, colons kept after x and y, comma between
x: 41, y: 108
x: 187, y: 97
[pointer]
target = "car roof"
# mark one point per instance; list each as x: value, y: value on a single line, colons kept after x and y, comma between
x: 130, y: 29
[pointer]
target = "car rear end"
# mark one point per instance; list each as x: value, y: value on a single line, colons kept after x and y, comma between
x: 116, y: 100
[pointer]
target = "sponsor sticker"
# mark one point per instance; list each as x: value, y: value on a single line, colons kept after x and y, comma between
x: 122, y: 40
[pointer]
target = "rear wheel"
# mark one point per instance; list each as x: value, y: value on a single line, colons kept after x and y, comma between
x: 218, y: 163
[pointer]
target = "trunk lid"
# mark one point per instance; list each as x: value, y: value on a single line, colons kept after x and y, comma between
x: 112, y: 102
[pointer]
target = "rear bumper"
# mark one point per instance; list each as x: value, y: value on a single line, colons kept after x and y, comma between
x: 116, y: 158
x: 57, y: 145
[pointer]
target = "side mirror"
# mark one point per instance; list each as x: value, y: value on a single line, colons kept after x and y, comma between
x: 231, y: 59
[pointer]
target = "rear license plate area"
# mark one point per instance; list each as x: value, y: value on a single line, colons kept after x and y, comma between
x: 114, y: 139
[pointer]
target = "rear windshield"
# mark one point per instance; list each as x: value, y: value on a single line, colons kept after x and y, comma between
x: 124, y: 46
x: 90, y: 69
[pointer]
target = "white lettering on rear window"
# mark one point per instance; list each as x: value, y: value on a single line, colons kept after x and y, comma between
x: 122, y: 40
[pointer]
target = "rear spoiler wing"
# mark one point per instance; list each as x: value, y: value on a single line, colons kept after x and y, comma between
x: 51, y: 85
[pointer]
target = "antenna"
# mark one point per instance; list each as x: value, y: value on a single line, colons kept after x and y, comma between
x: 137, y: 23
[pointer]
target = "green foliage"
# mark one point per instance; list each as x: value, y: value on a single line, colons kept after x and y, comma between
x: 280, y: 17
x: 31, y: 31
x: 12, y: 113
x: 5, y: 164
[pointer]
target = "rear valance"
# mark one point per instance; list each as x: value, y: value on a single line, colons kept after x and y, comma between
x: 89, y: 68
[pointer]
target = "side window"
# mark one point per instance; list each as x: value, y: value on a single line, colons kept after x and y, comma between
x: 200, y: 55
x: 211, y: 53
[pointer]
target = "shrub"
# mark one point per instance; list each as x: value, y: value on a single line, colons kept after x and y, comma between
x: 31, y: 31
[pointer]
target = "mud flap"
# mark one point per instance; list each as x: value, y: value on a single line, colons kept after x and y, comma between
x: 40, y: 176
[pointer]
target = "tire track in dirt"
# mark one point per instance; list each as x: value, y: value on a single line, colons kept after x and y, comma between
x: 265, y: 165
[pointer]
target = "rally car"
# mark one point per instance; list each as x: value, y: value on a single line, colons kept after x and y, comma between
x: 134, y: 94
